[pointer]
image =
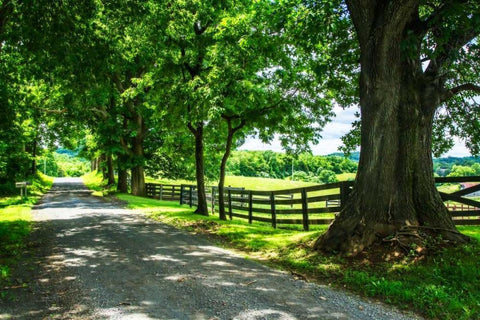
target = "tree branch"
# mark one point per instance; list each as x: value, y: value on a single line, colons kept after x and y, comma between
x: 191, y: 128
x: 461, y: 88
x: 457, y: 39
x: 64, y: 110
x: 274, y: 105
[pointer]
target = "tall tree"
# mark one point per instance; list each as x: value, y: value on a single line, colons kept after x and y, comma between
x: 415, y: 56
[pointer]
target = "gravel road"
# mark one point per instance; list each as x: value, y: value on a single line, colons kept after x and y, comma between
x: 92, y: 259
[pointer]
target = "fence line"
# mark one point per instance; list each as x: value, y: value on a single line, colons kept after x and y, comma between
x: 301, y: 206
x: 306, y: 206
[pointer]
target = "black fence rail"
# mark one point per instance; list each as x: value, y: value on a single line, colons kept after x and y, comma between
x: 168, y: 192
x: 462, y: 204
x: 310, y: 205
x: 299, y: 206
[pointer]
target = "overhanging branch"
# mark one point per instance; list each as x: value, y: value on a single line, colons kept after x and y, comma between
x: 461, y: 88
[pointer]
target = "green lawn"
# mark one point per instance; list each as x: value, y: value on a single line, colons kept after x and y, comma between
x: 445, y: 285
x: 15, y: 224
x: 249, y: 183
x: 256, y: 183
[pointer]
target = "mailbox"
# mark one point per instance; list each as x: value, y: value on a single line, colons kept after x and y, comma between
x: 22, y: 185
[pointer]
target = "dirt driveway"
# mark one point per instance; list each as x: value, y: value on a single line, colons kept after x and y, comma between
x: 90, y: 259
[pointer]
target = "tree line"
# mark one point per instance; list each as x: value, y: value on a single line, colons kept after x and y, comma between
x: 179, y: 80
x: 303, y: 167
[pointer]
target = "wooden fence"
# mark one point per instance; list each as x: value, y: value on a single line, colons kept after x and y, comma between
x: 465, y: 210
x: 168, y: 192
x: 300, y: 206
x: 306, y: 206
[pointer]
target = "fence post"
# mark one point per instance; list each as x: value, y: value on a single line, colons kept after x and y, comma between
x: 250, y: 207
x: 191, y: 196
x: 161, y: 191
x: 181, y: 194
x: 305, y: 210
x: 230, y: 203
x: 274, y: 214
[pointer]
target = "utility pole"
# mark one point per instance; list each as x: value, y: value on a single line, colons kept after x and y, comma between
x: 292, y: 168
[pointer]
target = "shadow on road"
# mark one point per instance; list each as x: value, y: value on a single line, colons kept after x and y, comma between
x: 99, y: 261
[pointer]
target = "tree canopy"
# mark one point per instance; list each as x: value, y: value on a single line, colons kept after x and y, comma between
x: 136, y: 80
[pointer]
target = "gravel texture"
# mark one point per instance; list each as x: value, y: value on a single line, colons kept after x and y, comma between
x: 92, y: 259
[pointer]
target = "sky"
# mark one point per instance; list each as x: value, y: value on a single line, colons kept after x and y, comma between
x: 331, y: 134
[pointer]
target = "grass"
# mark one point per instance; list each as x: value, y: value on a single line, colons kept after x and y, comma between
x: 444, y: 285
x: 249, y: 183
x: 15, y: 223
x: 94, y: 181
x: 256, y: 183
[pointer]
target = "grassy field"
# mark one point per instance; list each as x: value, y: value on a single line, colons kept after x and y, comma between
x: 444, y: 285
x: 255, y: 183
x: 15, y: 223
x: 249, y: 183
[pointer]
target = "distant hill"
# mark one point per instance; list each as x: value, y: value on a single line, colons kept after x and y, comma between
x: 459, y: 161
x: 354, y: 156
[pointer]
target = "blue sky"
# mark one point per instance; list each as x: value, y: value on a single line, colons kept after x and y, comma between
x: 331, y: 137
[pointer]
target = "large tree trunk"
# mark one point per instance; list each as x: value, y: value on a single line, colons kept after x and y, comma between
x: 394, y: 194
x: 199, y: 169
x: 110, y: 173
x: 138, y: 181
x: 103, y: 166
x: 138, y: 172
x: 122, y: 183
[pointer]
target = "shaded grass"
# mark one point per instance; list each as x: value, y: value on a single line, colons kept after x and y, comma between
x: 15, y: 223
x: 443, y: 285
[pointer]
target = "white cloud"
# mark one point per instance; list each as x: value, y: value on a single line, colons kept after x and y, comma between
x: 458, y: 150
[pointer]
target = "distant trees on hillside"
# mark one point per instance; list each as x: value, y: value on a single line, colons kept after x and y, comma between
x: 306, y: 167
x: 454, y: 166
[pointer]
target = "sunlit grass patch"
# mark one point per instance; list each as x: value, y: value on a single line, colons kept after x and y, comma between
x: 94, y: 181
x: 15, y: 222
x: 471, y: 231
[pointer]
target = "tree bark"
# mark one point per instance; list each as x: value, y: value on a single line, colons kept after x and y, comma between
x: 103, y: 166
x: 394, y: 194
x: 138, y: 171
x: 110, y: 173
x: 122, y: 183
x: 199, y: 169
x: 228, y: 148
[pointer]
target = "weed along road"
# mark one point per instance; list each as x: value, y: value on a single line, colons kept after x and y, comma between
x: 92, y: 259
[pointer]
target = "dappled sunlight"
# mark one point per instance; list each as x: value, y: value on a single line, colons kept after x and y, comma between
x: 159, y: 257
x: 150, y: 257
x: 121, y: 265
x: 264, y: 314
